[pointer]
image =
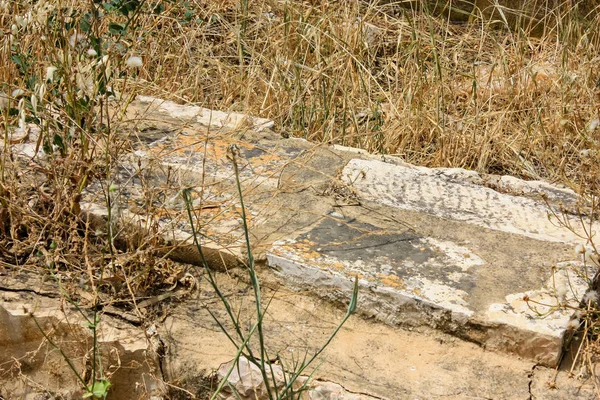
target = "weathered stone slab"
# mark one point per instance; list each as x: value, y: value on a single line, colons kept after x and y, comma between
x: 208, y: 117
x: 439, y: 194
x: 414, y: 280
x: 147, y: 191
x: 430, y: 246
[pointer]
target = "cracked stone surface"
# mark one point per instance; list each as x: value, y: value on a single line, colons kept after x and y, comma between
x: 366, y: 360
x: 30, y: 366
x: 431, y: 247
x: 441, y: 255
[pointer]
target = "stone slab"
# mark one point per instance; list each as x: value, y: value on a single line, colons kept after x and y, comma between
x: 147, y: 191
x: 439, y: 193
x: 414, y: 280
x: 430, y: 246
x: 206, y: 116
x: 365, y: 358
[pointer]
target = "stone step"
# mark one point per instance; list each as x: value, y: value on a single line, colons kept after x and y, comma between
x: 430, y: 247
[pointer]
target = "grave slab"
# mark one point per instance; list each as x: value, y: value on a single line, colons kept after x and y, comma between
x: 430, y: 246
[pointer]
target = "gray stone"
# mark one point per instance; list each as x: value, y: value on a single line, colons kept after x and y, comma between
x: 438, y: 194
x: 247, y: 381
x: 208, y: 117
x: 431, y: 247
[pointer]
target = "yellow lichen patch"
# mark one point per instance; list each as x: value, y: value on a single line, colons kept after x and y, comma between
x: 311, y: 255
x: 264, y: 163
x: 305, y: 246
x: 219, y: 148
x: 215, y: 148
x: 391, y: 280
x: 337, y: 266
x: 182, y: 145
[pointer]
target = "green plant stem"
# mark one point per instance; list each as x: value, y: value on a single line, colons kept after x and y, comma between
x: 234, y: 362
x: 211, y: 279
x: 253, y: 277
x: 351, y: 309
x: 67, y: 359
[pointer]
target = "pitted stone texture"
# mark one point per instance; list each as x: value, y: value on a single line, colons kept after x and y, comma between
x: 435, y: 193
x: 409, y: 279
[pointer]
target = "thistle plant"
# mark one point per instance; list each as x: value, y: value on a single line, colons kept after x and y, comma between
x: 242, y: 339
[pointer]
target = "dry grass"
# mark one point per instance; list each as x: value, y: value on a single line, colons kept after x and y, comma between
x: 380, y: 77
x: 391, y: 81
x: 374, y: 75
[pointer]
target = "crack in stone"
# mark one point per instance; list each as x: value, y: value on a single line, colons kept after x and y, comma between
x: 531, y: 376
x: 26, y: 290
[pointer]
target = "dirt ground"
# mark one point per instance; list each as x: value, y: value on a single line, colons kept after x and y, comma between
x: 365, y: 357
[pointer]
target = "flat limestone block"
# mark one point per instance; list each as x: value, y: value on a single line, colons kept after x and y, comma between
x: 470, y: 260
x: 147, y: 193
x: 426, y: 191
x: 411, y: 278
x: 207, y: 116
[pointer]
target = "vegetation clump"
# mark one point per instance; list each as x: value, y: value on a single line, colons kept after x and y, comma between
x: 491, y: 93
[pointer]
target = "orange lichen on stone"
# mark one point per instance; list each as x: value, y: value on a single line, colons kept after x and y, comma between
x: 312, y: 255
x: 391, y: 280
x: 337, y: 266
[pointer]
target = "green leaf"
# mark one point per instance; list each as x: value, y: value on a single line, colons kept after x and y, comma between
x: 98, y: 390
x: 354, y: 299
x: 46, y: 147
x: 58, y: 141
x: 129, y: 6
x: 109, y: 7
x: 85, y: 24
x: 116, y: 29
x: 158, y: 9
x: 21, y: 62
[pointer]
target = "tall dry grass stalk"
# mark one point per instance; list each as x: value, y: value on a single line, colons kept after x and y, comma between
x: 381, y: 76
x: 392, y: 80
